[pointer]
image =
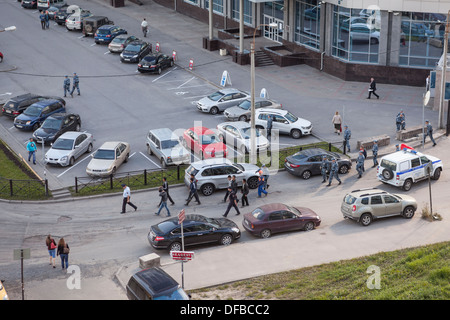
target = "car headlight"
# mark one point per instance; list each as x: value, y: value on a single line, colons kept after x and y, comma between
x: 235, y: 230
x: 64, y: 158
x: 28, y: 122
x: 135, y: 56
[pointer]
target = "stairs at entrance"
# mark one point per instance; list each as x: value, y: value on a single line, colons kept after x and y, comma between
x: 62, y: 193
x: 262, y: 59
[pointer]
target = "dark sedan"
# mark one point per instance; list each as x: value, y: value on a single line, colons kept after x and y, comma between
x: 277, y: 217
x: 29, y: 4
x: 16, y: 105
x: 135, y: 51
x: 155, y: 62
x: 56, y: 125
x: 306, y: 163
x: 197, y: 229
x: 61, y: 15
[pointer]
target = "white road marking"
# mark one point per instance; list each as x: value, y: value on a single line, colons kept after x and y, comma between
x: 11, y: 127
x: 107, y: 52
x: 165, y: 74
x: 75, y: 164
x: 94, y: 44
x: 194, y: 97
x: 200, y: 85
x: 149, y: 159
x: 132, y: 154
x: 186, y: 82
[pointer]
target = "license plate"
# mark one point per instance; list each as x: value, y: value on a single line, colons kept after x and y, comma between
x: 18, y: 126
x: 8, y: 111
x: 60, y: 17
x: 126, y: 59
x: 101, y: 39
x: 145, y: 66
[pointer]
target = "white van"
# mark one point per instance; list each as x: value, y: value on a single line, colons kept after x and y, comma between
x: 45, y: 4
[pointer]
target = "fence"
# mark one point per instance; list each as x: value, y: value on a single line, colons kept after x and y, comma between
x: 23, y: 189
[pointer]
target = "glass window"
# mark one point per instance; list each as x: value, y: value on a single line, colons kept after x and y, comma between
x: 194, y: 2
x: 376, y: 200
x: 307, y: 23
x: 217, y: 6
x: 247, y: 11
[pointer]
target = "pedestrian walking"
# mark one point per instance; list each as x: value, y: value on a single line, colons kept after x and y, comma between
x: 400, y: 121
x: 245, y: 191
x: 42, y: 18
x: 165, y: 187
x: 347, y: 137
x: 375, y: 153
x: 373, y: 88
x: 229, y: 186
x: 66, y: 85
x: 192, y: 191
x: 364, y: 153
x: 429, y: 132
x: 269, y: 125
x: 324, y: 168
x: 63, y: 252
x: 47, y: 20
x: 334, y: 172
x: 337, y: 123
x: 144, y: 27
x: 126, y: 198
x: 75, y: 84
x: 261, y: 182
x: 360, y: 164
x: 31, y: 148
x: 163, y: 204
x: 51, y: 247
x: 232, y: 203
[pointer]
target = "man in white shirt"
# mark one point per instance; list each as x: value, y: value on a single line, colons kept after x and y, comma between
x: 144, y: 26
x: 126, y: 198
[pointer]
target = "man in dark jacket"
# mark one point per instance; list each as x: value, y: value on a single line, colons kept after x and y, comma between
x: 373, y: 88
x: 165, y: 187
x: 245, y: 191
x: 232, y: 202
x: 163, y: 196
x: 193, y: 192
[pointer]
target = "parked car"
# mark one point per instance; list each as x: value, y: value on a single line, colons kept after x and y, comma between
x: 405, y: 167
x: 29, y: 4
x: 237, y: 135
x: 362, y: 32
x: 221, y: 100
x: 61, y: 15
x: 197, y: 230
x: 242, y: 111
x: 212, y: 174
x: 3, y: 294
x: 16, y: 105
x: 75, y: 20
x: 365, y: 205
x: 55, y: 125
x: 47, y: 4
x: 92, y: 23
x: 155, y: 63
x: 204, y: 142
x: 52, y: 11
x: 284, y: 121
x: 165, y: 145
x: 135, y: 51
x: 154, y: 284
x: 69, y: 147
x: 35, y: 115
x: 307, y: 163
x: 277, y: 217
x: 108, y: 158
x: 106, y: 33
x: 120, y: 42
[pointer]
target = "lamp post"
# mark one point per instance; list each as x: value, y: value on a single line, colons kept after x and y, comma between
x: 443, y: 74
x: 252, y: 75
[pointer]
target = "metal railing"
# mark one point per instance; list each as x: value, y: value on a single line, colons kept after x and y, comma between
x: 23, y: 189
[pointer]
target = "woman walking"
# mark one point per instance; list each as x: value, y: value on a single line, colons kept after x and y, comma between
x: 337, y: 122
x: 63, y: 253
x: 51, y: 246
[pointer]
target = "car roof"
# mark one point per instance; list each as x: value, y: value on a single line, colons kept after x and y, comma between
x: 107, y: 26
x: 111, y: 144
x: 163, y: 133
x: 95, y: 18
x: 138, y: 41
x: 44, y: 103
x: 24, y: 96
x: 210, y: 162
x: 59, y: 115
x: 72, y: 134
x: 402, y: 156
x: 236, y: 124
x: 272, y: 110
x: 313, y: 151
x: 202, y: 130
x: 156, y: 281
x: 271, y: 207
x: 229, y: 90
x: 367, y: 192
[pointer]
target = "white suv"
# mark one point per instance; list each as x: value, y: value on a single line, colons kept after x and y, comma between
x: 284, y: 121
x: 405, y: 167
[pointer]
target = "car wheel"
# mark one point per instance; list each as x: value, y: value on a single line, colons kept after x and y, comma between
x: 296, y: 134
x: 163, y: 163
x: 149, y: 150
x: 71, y: 161
x: 252, y: 182
x: 373, y: 40
x: 407, y: 185
x: 309, y: 226
x: 214, y: 110
x: 366, y: 219
x: 408, y: 212
x: 36, y: 126
x: 78, y: 127
x: 126, y: 158
x: 159, y: 70
x: 226, y: 239
x: 306, y: 174
x: 89, y: 148
x: 387, y: 174
x: 437, y: 174
x: 266, y: 233
x: 243, y: 118
x: 207, y: 189
x: 176, y: 246
x: 343, y: 169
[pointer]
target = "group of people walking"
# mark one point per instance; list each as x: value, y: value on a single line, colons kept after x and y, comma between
x: 61, y: 249
x: 45, y: 20
x: 75, y: 84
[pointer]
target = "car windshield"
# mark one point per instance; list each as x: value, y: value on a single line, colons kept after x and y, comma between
x: 103, y: 31
x: 149, y: 58
x: 246, y: 104
x: 299, y: 156
x: 9, y: 105
x: 216, y: 96
x: 134, y: 47
x: 213, y: 222
x: 349, y: 199
x: 169, y: 144
x: 32, y: 111
x: 246, y: 133
x: 240, y: 167
x: 258, y: 214
x: 191, y: 170
x: 291, y: 117
x: 388, y: 165
x: 165, y: 226
x: 63, y: 144
x: 294, y: 211
x: 104, y: 154
x: 209, y: 139
x: 119, y: 40
x: 51, y: 123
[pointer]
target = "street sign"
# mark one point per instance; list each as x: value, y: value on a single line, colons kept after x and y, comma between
x: 182, y: 255
x: 157, y: 47
x: 226, y: 79
x: 181, y: 216
x: 174, y: 55
x: 191, y: 64
x: 21, y: 254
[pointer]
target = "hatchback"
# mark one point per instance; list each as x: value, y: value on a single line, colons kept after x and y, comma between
x: 35, y: 115
x: 221, y: 100
x: 55, y: 125
x: 106, y: 33
x: 135, y: 51
x: 69, y: 147
x: 155, y: 63
x: 197, y: 229
x: 120, y: 42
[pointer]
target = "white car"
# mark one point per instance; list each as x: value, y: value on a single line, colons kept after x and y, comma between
x: 242, y: 111
x: 221, y: 100
x: 237, y: 135
x: 284, y: 121
x: 108, y: 158
x: 405, y: 167
x: 68, y: 147
x: 75, y: 20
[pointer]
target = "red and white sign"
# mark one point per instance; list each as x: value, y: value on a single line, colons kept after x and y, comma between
x: 181, y: 216
x: 191, y: 64
x: 182, y: 255
x: 157, y: 47
x: 174, y: 55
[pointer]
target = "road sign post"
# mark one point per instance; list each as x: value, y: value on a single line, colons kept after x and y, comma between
x: 21, y: 254
x: 181, y: 217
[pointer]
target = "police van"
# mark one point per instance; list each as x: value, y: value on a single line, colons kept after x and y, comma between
x: 45, y: 4
x: 407, y: 166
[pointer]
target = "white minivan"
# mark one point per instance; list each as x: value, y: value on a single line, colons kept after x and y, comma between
x: 45, y: 4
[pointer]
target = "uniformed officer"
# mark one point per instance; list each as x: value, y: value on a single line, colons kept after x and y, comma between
x: 400, y: 121
x: 334, y: 172
x: 429, y: 133
x: 324, y: 168
x: 347, y: 136
x: 397, y: 147
x: 66, y: 85
x: 375, y: 153
x: 360, y: 164
x: 75, y: 84
x: 269, y: 125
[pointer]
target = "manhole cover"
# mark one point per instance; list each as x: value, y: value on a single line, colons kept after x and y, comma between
x: 64, y: 219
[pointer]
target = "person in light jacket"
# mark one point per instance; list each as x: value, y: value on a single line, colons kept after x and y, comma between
x: 337, y: 122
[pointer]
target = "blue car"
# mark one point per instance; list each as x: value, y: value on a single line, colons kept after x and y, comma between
x: 106, y: 33
x: 34, y: 115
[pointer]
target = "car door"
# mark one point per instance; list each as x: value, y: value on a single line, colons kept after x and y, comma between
x: 157, y: 143
x: 203, y: 233
x: 164, y: 60
x: 118, y: 160
x: 314, y: 163
x: 291, y: 221
x: 226, y: 101
x: 417, y: 169
x: 80, y: 145
x: 220, y: 177
x: 233, y: 171
x: 393, y: 205
x: 275, y: 221
x: 377, y: 205
x: 231, y: 136
x: 280, y: 123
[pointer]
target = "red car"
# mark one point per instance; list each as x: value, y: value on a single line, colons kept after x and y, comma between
x: 204, y: 142
x: 278, y: 217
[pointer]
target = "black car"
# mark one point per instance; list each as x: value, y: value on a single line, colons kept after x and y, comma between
x: 135, y: 51
x: 29, y: 4
x: 197, y: 229
x: 61, y: 15
x: 55, y: 125
x: 155, y: 62
x: 306, y: 163
x: 16, y: 105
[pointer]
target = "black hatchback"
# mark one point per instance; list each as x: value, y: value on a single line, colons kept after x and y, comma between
x: 16, y: 105
x: 135, y: 51
x: 197, y: 229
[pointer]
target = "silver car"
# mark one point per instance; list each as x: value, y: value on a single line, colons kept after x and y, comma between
x: 69, y: 147
x: 237, y: 135
x: 165, y: 145
x: 108, y: 158
x: 242, y: 111
x: 221, y: 100
x: 120, y: 42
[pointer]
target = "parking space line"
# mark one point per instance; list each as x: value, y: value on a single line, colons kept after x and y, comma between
x: 75, y: 164
x: 186, y: 82
x: 11, y: 127
x: 194, y: 97
x: 132, y: 154
x: 165, y: 74
x: 94, y: 44
x: 80, y: 37
x: 200, y: 85
x: 107, y: 52
x: 149, y: 159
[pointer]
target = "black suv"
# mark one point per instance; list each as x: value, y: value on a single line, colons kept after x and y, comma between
x: 16, y: 105
x: 91, y: 24
x: 135, y: 51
